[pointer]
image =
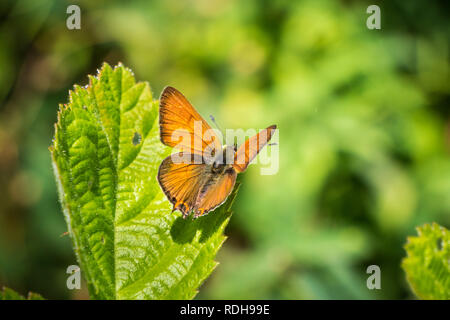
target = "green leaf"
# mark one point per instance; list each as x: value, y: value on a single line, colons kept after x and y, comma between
x: 9, y: 294
x: 106, y: 153
x: 427, y: 264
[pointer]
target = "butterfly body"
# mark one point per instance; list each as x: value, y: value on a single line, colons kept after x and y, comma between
x: 200, y: 177
x: 226, y: 157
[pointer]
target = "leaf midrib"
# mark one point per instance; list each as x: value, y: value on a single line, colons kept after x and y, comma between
x: 115, y: 158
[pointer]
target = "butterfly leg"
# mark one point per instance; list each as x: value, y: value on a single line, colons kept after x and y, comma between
x: 182, y: 207
x: 199, y: 213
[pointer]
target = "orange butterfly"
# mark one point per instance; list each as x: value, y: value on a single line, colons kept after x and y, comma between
x: 206, y: 174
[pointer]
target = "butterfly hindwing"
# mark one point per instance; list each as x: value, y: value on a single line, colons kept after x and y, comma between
x: 215, y: 191
x: 182, y: 181
x: 194, y: 187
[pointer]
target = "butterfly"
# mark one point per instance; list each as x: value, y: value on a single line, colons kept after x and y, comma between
x: 200, y: 177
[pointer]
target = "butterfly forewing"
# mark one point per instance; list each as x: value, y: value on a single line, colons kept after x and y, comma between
x: 250, y: 149
x: 181, y: 126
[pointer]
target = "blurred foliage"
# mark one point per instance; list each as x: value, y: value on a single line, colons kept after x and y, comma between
x: 427, y: 265
x: 9, y: 294
x: 363, y: 118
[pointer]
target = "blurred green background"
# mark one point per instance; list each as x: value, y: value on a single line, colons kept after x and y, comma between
x: 363, y: 118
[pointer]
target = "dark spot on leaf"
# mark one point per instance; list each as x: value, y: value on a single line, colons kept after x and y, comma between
x: 439, y: 244
x: 136, y: 138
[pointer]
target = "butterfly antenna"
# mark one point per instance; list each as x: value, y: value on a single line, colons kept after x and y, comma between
x: 215, y: 123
